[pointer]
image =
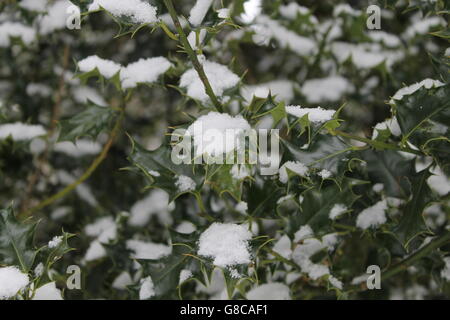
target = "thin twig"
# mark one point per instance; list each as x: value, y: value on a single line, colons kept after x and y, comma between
x: 192, y: 55
x: 86, y: 174
x: 56, y: 112
x: 401, y: 266
x: 376, y: 144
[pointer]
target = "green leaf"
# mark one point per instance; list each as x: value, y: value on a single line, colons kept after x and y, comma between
x: 60, y: 250
x: 325, y: 152
x: 414, y: 110
x: 89, y: 123
x: 444, y: 33
x: 262, y: 198
x: 391, y: 169
x: 221, y: 180
x: 317, y: 204
x: 160, y: 161
x: 16, y: 241
x: 165, y: 272
x: 82, y: 4
x: 412, y: 223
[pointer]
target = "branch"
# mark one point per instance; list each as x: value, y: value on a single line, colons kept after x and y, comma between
x: 192, y: 55
x: 401, y: 266
x: 86, y: 174
x: 375, y: 144
x: 56, y: 111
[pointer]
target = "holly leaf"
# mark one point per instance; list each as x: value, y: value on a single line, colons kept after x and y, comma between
x: 412, y: 223
x: 165, y: 272
x: 425, y: 104
x: 16, y: 241
x: 82, y: 4
x: 318, y: 202
x: 221, y: 180
x: 391, y: 169
x: 161, y: 169
x: 325, y: 152
x: 262, y: 198
x: 89, y: 123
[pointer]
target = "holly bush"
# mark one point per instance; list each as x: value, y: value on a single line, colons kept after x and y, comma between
x: 91, y: 180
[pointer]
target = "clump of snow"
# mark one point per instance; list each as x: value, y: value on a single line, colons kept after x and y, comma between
x: 34, y: 5
x: 138, y: 11
x: 266, y: 28
x: 283, y: 247
x: 303, y: 233
x: 185, y: 184
x: 148, y: 250
x: 85, y: 94
x: 373, y: 216
x: 335, y: 282
x: 285, y: 198
x: 154, y: 173
x: 143, y: 71
x: 39, y: 270
x: 78, y: 149
x: 103, y: 230
x: 378, y: 187
x: 447, y: 52
x: 223, y: 13
x: 106, y: 68
x: 391, y: 124
x: 219, y: 76
x: 304, y: 252
x: 226, y: 243
x: 326, y: 89
x: 95, y: 251
x: 330, y: 240
x: 186, y: 227
x: 184, y: 275
x: 241, y: 207
x: 423, y: 26
x: 48, y: 292
x: 252, y: 8
x: 122, y: 281
x: 156, y: 203
x: 192, y: 38
x: 337, y: 210
x: 21, y: 131
x: 55, y: 242
x: 406, y: 91
x: 315, y: 115
x: 38, y: 89
x: 199, y: 11
x: 360, y: 279
x: 270, y: 291
x: 439, y: 182
x: 147, y: 289
x: 388, y: 39
x: 239, y: 172
x: 56, y: 17
x: 282, y: 90
x: 345, y: 8
x: 366, y: 55
x: 291, y: 10
x: 325, y: 174
x: 16, y: 30
x: 12, y: 281
x: 294, y: 166
x: 211, y: 136
x: 445, y: 273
